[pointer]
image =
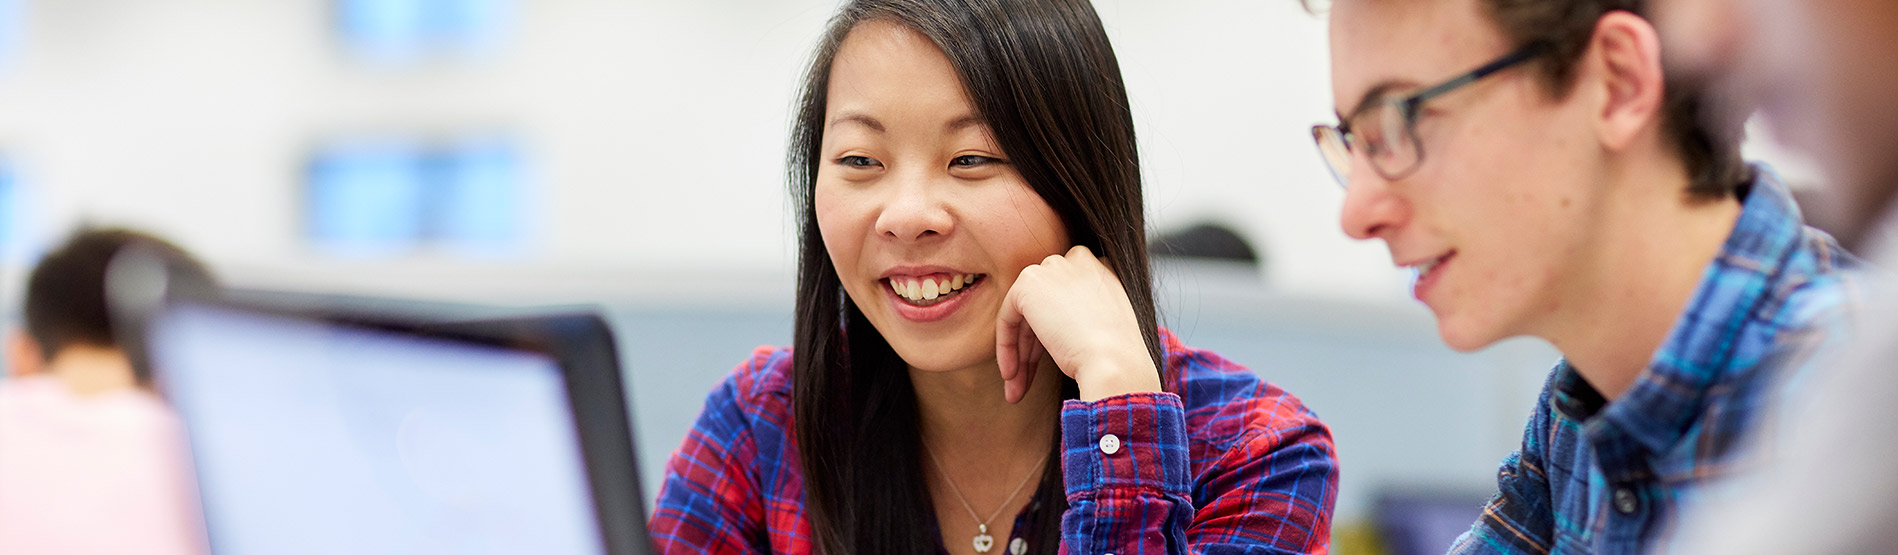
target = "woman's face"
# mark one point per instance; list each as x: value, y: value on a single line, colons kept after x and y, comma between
x: 924, y: 218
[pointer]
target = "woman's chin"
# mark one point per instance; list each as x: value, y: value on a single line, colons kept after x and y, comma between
x: 943, y: 357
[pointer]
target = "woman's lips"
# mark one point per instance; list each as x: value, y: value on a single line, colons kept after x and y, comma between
x: 924, y: 299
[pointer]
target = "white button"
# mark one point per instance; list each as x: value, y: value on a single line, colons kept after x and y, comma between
x: 1110, y: 444
x: 1017, y: 546
x: 1626, y: 501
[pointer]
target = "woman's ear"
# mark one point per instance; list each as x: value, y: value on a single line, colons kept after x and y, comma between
x: 24, y: 357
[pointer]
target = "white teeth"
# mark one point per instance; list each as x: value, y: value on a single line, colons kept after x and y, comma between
x: 931, y: 288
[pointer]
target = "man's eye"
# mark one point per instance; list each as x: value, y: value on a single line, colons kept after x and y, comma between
x: 1374, y: 147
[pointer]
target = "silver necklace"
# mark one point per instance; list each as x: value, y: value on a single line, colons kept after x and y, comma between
x: 983, y: 541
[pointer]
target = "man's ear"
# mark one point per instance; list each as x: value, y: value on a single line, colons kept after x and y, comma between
x: 1624, y: 62
x: 24, y: 357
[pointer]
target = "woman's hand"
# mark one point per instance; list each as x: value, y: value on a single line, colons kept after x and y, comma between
x: 1072, y: 308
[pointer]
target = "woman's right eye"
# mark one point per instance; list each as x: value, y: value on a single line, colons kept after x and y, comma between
x: 859, y: 161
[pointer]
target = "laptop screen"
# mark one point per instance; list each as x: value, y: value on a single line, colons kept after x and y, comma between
x: 311, y: 437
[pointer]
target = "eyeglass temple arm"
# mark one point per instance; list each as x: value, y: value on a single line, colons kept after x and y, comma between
x: 1521, y: 55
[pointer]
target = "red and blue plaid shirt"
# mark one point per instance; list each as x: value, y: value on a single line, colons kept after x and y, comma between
x: 1609, y: 477
x: 1223, y: 462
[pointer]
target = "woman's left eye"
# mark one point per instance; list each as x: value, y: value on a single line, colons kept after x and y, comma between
x: 972, y: 160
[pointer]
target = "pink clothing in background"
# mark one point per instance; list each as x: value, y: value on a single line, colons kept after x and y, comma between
x: 100, y: 474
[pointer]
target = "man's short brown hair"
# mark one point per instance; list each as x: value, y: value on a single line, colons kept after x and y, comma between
x: 65, y: 295
x: 1708, y: 144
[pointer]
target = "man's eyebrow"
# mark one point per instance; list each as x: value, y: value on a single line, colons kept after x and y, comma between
x: 857, y: 118
x: 1377, y: 92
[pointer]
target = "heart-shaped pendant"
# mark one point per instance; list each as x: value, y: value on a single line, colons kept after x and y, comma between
x: 984, y: 542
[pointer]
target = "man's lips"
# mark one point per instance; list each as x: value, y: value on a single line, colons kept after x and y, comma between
x: 1424, y: 274
x: 1424, y: 265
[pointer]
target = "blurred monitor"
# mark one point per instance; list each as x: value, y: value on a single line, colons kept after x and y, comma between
x: 1425, y: 522
x: 340, y: 430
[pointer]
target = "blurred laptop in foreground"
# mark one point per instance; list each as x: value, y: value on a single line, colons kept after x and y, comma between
x: 345, y: 425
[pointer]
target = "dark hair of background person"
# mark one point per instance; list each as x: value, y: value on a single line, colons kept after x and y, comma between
x: 66, y: 297
x: 1693, y: 119
x: 1043, y: 77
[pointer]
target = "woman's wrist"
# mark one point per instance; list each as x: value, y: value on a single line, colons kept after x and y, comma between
x: 1121, y: 374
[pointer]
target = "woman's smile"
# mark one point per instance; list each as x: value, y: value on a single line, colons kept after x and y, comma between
x: 931, y: 297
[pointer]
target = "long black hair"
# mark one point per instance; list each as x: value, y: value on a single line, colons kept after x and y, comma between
x: 1044, y: 78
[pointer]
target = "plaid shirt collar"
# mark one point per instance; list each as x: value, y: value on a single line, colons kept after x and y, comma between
x: 1664, y: 401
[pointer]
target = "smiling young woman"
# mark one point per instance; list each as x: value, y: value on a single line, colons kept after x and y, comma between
x: 976, y: 333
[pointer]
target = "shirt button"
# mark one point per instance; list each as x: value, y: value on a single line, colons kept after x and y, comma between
x: 1110, y: 444
x: 1626, y: 501
x: 1017, y: 546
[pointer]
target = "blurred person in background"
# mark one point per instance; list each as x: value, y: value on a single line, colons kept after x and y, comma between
x: 1822, y: 72
x: 91, y: 459
x: 977, y: 365
x: 1532, y: 162
x: 1825, y: 75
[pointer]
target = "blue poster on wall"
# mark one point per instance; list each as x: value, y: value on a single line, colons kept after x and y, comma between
x: 481, y: 201
x: 19, y: 245
x: 367, y: 199
x: 407, y: 31
x: 9, y: 216
x: 383, y: 198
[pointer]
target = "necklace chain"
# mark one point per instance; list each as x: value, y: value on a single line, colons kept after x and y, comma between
x: 965, y: 500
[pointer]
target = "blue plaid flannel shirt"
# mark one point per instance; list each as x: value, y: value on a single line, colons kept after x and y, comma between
x: 1600, y: 477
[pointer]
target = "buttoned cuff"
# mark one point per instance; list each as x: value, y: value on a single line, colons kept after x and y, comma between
x: 1134, y: 442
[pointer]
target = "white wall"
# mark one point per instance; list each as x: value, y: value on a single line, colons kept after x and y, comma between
x: 656, y: 129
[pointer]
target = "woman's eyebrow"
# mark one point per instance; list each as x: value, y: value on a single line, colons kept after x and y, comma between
x: 964, y: 122
x: 857, y: 118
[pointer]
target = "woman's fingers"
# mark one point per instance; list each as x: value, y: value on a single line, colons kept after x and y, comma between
x: 1009, y: 324
x: 1071, y: 308
x: 1027, y: 364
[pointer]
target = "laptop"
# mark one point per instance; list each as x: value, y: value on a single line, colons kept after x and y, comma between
x: 349, y: 425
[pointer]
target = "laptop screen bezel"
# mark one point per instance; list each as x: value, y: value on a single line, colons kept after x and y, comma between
x: 579, y: 341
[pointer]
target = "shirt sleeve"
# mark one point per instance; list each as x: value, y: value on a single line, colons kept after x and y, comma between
x: 1130, y: 484
x: 710, y: 501
x: 1520, y: 517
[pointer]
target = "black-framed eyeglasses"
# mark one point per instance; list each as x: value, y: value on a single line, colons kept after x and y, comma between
x: 1385, y: 130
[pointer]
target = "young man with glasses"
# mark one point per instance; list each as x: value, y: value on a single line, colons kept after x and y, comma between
x: 1567, y: 189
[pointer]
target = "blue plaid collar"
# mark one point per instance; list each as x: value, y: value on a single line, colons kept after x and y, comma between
x: 1667, y: 399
